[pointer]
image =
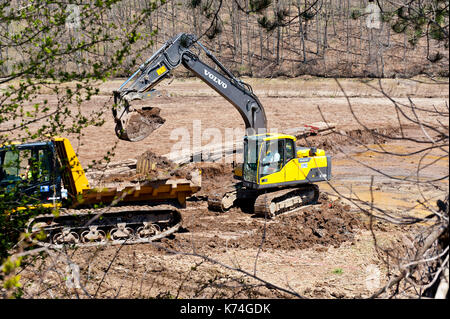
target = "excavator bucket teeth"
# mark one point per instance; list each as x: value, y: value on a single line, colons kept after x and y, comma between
x: 139, y: 124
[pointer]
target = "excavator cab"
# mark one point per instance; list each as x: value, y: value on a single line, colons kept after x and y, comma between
x: 272, y: 160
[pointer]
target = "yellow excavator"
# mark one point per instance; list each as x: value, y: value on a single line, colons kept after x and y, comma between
x: 276, y: 175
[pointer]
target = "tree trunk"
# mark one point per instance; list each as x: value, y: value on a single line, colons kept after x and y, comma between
x: 249, y: 55
x: 261, y: 44
x: 301, y: 33
x: 174, y: 30
x: 234, y: 29
x: 317, y: 34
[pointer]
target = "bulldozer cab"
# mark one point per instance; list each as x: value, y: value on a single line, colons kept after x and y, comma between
x: 29, y: 170
x: 264, y: 155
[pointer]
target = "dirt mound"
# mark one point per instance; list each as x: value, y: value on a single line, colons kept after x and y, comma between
x: 155, y: 161
x: 147, y: 167
x: 214, y: 176
x: 152, y: 166
x: 333, y: 141
x: 329, y: 224
x: 212, y: 170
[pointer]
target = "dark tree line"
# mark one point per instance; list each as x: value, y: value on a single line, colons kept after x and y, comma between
x: 273, y: 37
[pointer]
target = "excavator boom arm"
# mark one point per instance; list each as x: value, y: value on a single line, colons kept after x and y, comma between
x: 241, y: 98
x: 173, y: 53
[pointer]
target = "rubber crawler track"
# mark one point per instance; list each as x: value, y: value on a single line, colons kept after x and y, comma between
x: 295, y: 197
x: 130, y: 215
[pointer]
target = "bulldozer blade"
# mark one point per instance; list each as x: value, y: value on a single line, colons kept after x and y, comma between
x: 139, y: 124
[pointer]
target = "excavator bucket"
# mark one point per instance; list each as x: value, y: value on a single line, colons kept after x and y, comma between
x: 135, y: 122
x: 139, y: 124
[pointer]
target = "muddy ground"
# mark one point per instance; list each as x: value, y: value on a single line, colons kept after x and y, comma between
x: 321, y: 251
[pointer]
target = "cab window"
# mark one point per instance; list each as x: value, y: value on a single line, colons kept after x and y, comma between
x: 290, y: 150
x: 251, y: 148
x: 9, y: 170
x: 272, y: 157
x: 15, y: 165
x: 25, y: 165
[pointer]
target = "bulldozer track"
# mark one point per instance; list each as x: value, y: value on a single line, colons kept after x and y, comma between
x: 117, y: 225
